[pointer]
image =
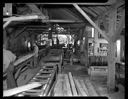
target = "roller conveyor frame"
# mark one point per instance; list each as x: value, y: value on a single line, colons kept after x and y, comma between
x: 46, y: 85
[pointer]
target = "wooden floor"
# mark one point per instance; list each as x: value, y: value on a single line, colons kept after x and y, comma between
x: 78, y: 72
x: 99, y: 83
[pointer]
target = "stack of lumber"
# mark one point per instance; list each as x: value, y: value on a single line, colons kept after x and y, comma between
x: 66, y: 85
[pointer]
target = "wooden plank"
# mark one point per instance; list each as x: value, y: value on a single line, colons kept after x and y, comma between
x: 20, y: 89
x: 68, y: 87
x: 91, y: 89
x: 84, y: 87
x: 72, y: 84
x: 79, y: 87
x: 90, y: 21
x: 22, y: 59
x: 58, y: 87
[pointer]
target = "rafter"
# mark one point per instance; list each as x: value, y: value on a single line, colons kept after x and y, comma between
x: 89, y: 11
x: 90, y: 21
x: 20, y: 18
x: 113, y: 7
x: 92, y: 8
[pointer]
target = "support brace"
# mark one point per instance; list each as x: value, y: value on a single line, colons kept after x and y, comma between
x: 90, y: 21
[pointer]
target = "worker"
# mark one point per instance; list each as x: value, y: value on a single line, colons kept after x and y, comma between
x: 36, y: 49
x: 8, y: 67
x: 57, y: 41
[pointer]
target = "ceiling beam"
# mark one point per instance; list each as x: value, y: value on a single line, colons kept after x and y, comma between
x: 94, y: 10
x: 102, y: 8
x: 109, y: 2
x: 62, y: 21
x: 113, y: 7
x: 20, y: 18
x: 89, y: 11
x: 73, y: 13
x: 90, y: 21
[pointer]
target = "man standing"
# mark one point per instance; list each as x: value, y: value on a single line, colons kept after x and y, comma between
x: 36, y: 50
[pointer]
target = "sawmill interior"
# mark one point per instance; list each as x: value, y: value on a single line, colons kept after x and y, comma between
x: 64, y: 49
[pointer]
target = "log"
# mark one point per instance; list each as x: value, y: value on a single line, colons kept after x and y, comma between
x: 72, y: 84
x: 21, y: 89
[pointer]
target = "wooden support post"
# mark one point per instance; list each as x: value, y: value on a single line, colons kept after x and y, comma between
x: 111, y: 52
x: 81, y: 40
x: 113, y: 7
x: 90, y: 21
x: 111, y: 66
x: 86, y: 47
x: 119, y: 28
x: 95, y: 39
x: 122, y: 47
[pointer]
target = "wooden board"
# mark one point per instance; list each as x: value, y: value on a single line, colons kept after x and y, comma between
x: 79, y: 88
x: 90, y: 87
x: 22, y: 59
x: 58, y: 87
x: 62, y: 87
x: 20, y: 89
x: 84, y: 87
x: 68, y: 87
x: 72, y: 84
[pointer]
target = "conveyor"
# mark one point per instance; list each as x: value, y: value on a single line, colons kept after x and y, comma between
x: 46, y: 76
